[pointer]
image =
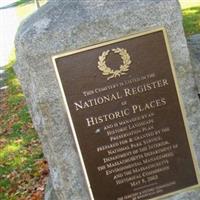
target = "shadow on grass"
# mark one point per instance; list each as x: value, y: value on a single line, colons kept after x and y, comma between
x: 21, y: 157
x: 17, y: 3
x: 191, y: 20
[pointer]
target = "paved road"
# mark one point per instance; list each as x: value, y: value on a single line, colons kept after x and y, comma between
x: 9, y: 23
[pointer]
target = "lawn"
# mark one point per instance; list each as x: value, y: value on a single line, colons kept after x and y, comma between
x: 191, y: 20
x: 27, y: 7
x: 23, y: 169
x: 191, y: 16
x: 189, y: 3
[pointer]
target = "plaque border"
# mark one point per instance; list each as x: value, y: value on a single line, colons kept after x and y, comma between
x: 182, y: 107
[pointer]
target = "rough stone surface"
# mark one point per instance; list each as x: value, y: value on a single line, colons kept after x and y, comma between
x: 49, y: 191
x: 65, y: 25
x: 194, y: 46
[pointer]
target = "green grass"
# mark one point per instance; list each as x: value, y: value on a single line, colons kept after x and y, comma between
x: 28, y: 7
x: 191, y: 16
x: 22, y: 167
x: 21, y: 151
x: 191, y: 20
x: 189, y: 3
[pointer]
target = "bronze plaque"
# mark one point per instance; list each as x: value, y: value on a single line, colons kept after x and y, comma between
x: 127, y: 118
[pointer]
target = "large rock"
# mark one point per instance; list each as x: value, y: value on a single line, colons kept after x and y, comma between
x: 49, y: 191
x: 65, y: 25
x: 194, y: 47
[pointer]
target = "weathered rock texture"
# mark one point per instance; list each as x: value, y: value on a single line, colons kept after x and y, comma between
x: 194, y: 47
x: 65, y: 25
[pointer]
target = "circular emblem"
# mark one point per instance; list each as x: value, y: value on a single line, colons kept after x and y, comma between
x: 107, y: 71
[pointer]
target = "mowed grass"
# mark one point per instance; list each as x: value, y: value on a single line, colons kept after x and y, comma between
x: 23, y: 170
x: 191, y: 20
x: 189, y: 3
x: 191, y: 16
x: 28, y: 7
x: 22, y: 167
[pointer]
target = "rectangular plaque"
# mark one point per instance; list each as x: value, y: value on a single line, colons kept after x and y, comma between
x: 127, y: 118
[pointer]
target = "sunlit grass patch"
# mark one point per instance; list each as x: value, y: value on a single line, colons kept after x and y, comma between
x: 189, y: 3
x: 21, y: 150
x: 28, y: 7
x: 12, y: 81
x: 15, y: 99
x: 8, y: 149
x: 191, y: 20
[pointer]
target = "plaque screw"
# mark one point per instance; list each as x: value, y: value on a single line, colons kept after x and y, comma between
x: 98, y: 131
